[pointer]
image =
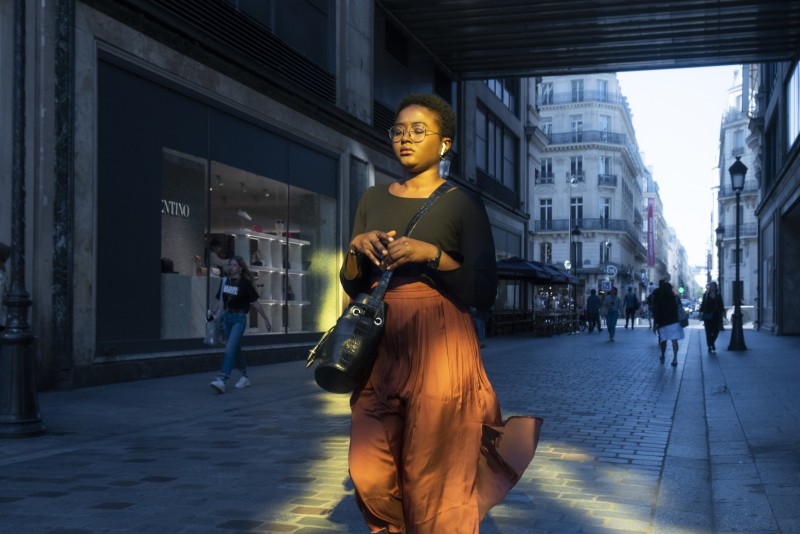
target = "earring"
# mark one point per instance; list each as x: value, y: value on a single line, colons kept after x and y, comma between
x: 441, y: 152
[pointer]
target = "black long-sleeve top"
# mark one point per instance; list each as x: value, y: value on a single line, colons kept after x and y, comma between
x: 457, y: 222
x: 665, y: 309
x: 713, y: 305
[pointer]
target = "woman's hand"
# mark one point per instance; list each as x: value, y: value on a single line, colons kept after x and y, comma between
x: 407, y: 250
x: 373, y: 245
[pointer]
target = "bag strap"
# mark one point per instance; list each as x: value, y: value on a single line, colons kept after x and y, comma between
x: 383, y: 284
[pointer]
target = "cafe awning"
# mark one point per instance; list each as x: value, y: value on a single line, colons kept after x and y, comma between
x: 560, y: 276
x: 516, y: 268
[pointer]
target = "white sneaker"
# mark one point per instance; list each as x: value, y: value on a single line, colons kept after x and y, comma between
x: 243, y: 382
x: 218, y: 385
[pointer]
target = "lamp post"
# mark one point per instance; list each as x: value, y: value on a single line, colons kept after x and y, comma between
x: 19, y: 408
x: 574, y: 234
x: 737, y: 171
x: 720, y: 269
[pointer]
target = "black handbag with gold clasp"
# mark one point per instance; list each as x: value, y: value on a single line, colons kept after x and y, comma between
x: 345, y: 352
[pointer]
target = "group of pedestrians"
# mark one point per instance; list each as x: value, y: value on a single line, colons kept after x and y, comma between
x: 611, y: 307
x: 664, y: 308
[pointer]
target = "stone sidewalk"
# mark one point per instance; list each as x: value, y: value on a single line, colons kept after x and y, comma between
x: 628, y: 445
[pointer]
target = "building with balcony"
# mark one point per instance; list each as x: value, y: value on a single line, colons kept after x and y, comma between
x: 589, y: 189
x: 733, y: 134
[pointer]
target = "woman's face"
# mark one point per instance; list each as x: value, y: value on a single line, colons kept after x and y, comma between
x: 234, y: 268
x: 420, y: 156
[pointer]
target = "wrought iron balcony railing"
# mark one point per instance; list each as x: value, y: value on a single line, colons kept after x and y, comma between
x: 607, y: 180
x: 587, y: 136
x: 550, y: 99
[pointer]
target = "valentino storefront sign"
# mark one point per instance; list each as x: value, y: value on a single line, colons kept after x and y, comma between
x: 176, y: 209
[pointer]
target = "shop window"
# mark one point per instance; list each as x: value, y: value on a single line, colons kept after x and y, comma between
x: 198, y: 174
x: 268, y: 224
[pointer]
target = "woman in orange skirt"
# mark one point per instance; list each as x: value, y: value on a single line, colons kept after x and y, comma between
x: 429, y: 452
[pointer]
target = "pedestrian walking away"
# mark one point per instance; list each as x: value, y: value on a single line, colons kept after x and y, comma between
x: 593, y: 304
x: 712, y: 311
x: 652, y: 299
x: 631, y: 302
x: 424, y: 451
x: 611, y: 310
x: 236, y: 295
x: 667, y: 319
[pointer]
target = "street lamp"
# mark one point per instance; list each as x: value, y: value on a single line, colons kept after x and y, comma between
x: 720, y: 257
x: 574, y: 234
x: 720, y: 270
x: 19, y: 406
x: 738, y: 171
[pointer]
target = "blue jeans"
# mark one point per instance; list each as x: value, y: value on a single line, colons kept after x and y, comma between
x: 234, y: 329
x: 611, y: 322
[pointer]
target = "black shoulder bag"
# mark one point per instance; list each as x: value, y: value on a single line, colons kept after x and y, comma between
x: 346, y: 351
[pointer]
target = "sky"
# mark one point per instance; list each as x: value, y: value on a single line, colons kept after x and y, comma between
x: 676, y: 116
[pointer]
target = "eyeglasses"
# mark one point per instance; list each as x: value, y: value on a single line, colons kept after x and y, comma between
x: 416, y: 133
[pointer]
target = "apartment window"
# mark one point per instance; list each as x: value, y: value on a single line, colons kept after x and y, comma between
x: 605, y: 165
x: 496, y: 150
x: 546, y: 213
x: 602, y: 90
x: 547, y: 170
x: 576, y: 210
x: 576, y: 168
x: 576, y: 124
x: 604, y: 125
x: 546, y: 94
x: 605, y: 208
x: 546, y: 252
x: 577, y: 90
x: 738, y: 139
x: 547, y: 127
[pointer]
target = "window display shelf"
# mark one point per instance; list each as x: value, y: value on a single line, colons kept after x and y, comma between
x: 279, y: 277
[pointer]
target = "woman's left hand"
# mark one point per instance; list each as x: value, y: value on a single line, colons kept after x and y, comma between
x: 407, y: 250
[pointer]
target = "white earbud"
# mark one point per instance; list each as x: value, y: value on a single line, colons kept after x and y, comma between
x: 441, y: 152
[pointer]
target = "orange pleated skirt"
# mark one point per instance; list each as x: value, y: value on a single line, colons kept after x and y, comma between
x: 429, y: 452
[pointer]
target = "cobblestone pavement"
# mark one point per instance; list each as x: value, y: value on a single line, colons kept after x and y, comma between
x: 628, y: 445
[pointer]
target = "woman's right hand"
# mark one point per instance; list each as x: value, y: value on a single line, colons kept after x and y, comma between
x: 373, y: 244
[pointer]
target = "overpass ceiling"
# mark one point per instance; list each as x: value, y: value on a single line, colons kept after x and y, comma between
x: 478, y: 39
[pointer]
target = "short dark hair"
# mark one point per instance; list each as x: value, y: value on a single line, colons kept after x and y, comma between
x: 437, y: 104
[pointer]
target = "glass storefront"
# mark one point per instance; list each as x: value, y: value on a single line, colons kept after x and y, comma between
x: 226, y: 186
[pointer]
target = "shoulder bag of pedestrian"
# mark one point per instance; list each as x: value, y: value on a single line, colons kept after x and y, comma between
x: 346, y: 351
